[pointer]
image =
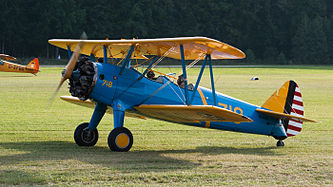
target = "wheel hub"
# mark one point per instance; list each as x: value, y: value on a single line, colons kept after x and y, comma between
x: 122, y: 140
x: 88, y: 135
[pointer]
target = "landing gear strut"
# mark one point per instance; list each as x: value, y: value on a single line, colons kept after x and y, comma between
x: 280, y: 143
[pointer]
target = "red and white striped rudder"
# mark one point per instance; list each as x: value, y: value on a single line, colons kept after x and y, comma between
x: 297, y: 109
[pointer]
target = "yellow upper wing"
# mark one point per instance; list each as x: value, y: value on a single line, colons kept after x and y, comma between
x: 194, y: 48
x: 190, y: 114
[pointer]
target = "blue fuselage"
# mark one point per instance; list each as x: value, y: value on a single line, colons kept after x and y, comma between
x: 132, y: 89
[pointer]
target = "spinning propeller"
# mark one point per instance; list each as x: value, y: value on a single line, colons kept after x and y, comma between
x: 67, y: 73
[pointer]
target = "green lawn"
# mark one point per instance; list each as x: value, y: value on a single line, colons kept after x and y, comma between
x: 37, y: 145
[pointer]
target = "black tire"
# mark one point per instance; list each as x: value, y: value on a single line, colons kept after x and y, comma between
x: 120, y: 139
x: 280, y: 143
x: 83, y: 136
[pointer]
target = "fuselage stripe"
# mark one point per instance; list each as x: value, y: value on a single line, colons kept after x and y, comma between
x: 204, y: 102
x: 207, y: 125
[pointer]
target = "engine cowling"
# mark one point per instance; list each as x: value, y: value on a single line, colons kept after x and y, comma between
x: 83, y: 78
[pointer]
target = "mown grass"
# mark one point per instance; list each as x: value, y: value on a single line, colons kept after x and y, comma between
x: 37, y: 146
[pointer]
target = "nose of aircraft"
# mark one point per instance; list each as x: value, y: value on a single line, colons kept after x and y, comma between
x: 82, y: 79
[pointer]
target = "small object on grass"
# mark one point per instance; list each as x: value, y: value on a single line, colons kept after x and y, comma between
x: 254, y: 78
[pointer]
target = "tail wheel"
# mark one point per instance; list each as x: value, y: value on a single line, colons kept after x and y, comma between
x: 120, y: 139
x: 84, y: 136
x: 280, y: 143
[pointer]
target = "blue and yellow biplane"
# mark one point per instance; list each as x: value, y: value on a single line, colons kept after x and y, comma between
x: 120, y: 89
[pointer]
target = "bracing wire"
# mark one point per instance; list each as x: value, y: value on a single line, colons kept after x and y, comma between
x: 178, y: 95
x: 195, y: 61
x: 163, y: 56
x: 122, y: 58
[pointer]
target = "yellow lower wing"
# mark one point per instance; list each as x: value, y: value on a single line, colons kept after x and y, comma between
x: 90, y: 104
x: 190, y: 114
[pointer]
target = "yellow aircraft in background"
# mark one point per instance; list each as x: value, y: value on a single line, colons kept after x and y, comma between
x: 32, y: 67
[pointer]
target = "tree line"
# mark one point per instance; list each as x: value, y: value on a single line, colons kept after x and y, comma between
x: 268, y: 31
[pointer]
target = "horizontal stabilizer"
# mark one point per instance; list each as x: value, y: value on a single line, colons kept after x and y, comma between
x: 190, y: 114
x: 90, y: 104
x: 279, y: 115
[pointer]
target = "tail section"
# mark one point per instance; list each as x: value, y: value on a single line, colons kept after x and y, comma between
x: 34, y: 64
x: 288, y: 100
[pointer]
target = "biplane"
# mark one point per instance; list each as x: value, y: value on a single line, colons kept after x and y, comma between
x: 120, y: 89
x: 32, y: 67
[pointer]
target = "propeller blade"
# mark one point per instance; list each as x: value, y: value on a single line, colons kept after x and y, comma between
x: 55, y: 93
x: 75, y: 56
x: 70, y: 65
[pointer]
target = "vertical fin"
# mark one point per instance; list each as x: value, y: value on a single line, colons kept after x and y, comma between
x: 34, y: 64
x: 277, y: 101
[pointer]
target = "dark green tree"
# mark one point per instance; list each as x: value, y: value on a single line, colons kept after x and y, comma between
x: 299, y: 30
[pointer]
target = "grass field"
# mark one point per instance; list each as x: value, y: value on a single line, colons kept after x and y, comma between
x: 37, y: 146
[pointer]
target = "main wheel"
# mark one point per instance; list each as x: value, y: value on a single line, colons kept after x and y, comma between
x: 120, y: 139
x: 280, y: 143
x: 84, y: 136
